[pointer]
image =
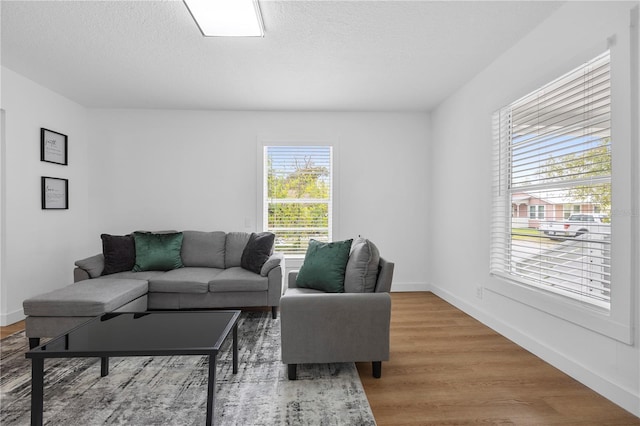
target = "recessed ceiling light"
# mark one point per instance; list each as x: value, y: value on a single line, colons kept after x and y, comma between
x: 227, y: 18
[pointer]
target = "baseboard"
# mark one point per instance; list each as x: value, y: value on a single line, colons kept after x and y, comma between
x: 406, y: 287
x: 619, y: 395
x: 11, y: 318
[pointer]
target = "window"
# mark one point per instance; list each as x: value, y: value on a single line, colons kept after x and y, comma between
x: 536, y: 212
x: 555, y: 145
x: 297, y: 195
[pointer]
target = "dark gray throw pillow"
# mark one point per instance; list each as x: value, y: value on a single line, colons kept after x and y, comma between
x: 119, y: 253
x: 257, y: 251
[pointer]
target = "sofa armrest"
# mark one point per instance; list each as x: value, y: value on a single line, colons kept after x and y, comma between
x: 92, y: 266
x: 274, y: 260
x: 334, y: 327
x: 80, y: 274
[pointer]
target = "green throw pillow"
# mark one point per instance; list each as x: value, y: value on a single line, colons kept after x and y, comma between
x: 324, y: 266
x: 157, y: 252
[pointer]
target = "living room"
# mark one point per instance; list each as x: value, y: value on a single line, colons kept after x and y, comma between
x: 415, y: 180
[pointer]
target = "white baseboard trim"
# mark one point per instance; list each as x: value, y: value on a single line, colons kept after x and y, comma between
x: 11, y: 317
x: 625, y: 398
x: 406, y: 287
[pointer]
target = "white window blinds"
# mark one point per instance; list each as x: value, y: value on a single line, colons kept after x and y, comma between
x: 552, y: 187
x: 298, y: 195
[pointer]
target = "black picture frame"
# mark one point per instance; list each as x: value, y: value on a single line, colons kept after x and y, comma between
x: 53, y: 147
x: 55, y: 193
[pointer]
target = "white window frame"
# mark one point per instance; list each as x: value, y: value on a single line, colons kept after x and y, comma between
x: 538, y: 211
x: 262, y: 212
x: 617, y: 323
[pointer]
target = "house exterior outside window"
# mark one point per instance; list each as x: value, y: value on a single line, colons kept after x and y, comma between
x: 536, y: 212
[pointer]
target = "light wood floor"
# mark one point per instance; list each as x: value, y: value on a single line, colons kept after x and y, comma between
x: 446, y: 368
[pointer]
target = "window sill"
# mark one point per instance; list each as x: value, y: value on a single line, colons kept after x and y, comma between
x: 581, y: 314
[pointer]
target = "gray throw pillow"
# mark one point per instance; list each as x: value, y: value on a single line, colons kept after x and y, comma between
x: 257, y: 251
x: 361, y: 273
x: 119, y: 253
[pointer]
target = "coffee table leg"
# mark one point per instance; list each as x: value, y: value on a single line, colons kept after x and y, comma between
x: 235, y: 348
x: 37, y: 393
x: 211, y: 390
x: 104, y: 366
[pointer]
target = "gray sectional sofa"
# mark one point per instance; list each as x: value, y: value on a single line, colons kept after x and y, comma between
x: 209, y: 274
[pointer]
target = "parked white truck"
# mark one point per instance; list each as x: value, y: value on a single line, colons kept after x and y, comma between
x: 576, y: 225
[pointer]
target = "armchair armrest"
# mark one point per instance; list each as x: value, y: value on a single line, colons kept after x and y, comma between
x: 291, y: 282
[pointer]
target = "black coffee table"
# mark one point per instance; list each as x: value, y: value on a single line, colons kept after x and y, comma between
x: 156, y: 333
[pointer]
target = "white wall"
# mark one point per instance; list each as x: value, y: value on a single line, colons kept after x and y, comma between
x: 39, y: 246
x: 141, y: 169
x: 460, y: 198
x: 171, y: 169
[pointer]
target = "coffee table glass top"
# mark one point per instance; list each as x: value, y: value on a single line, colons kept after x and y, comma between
x: 146, y: 333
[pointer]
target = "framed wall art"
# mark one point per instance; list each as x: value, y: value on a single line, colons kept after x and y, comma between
x: 53, y: 147
x: 55, y: 193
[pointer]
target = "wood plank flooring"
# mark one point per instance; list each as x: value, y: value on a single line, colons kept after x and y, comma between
x: 10, y: 329
x: 447, y: 368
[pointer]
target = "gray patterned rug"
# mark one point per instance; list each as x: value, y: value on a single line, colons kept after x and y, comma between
x: 172, y: 390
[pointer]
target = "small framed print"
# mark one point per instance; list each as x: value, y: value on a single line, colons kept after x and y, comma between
x: 55, y: 193
x: 53, y: 147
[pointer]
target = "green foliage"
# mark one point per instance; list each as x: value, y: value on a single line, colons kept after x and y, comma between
x: 595, y: 162
x: 298, y: 208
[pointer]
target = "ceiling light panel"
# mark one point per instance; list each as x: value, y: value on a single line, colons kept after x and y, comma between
x: 227, y: 18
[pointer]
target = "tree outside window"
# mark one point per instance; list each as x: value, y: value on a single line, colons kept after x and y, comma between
x: 298, y: 195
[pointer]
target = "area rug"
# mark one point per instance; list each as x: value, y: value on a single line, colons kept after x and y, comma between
x: 172, y: 390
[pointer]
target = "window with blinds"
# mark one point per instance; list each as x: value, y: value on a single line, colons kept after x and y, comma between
x: 551, y: 224
x: 297, y: 192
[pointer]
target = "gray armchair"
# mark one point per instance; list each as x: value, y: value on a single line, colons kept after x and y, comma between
x: 318, y: 327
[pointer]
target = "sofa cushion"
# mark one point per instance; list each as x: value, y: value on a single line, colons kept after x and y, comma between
x: 362, y: 268
x: 324, y: 266
x: 203, y: 249
x: 94, y: 265
x: 157, y: 252
x: 86, y: 298
x: 257, y: 251
x: 184, y: 280
x: 119, y: 253
x: 238, y: 279
x: 234, y: 246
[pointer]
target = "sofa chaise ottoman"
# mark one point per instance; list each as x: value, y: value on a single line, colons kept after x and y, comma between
x: 162, y: 271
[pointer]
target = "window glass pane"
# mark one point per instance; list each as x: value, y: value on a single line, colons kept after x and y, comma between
x: 553, y: 154
x: 298, y: 194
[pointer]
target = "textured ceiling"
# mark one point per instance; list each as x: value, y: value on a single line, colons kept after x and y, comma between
x: 316, y: 55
